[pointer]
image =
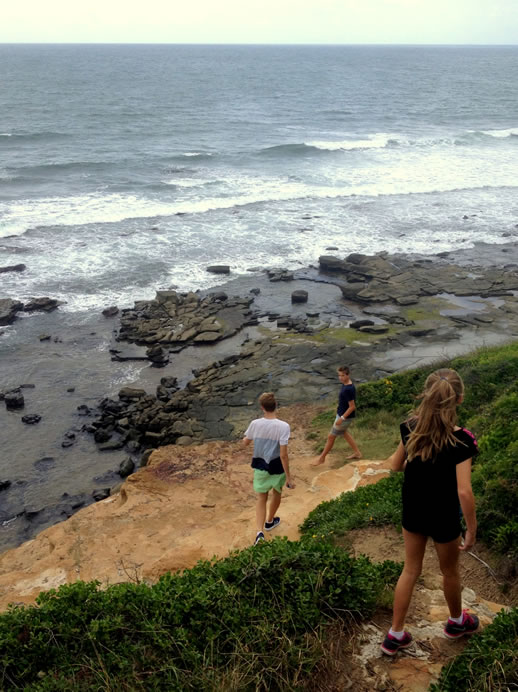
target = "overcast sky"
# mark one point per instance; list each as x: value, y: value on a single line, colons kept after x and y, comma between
x: 261, y: 21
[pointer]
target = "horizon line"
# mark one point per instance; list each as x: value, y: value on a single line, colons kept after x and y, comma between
x: 236, y: 43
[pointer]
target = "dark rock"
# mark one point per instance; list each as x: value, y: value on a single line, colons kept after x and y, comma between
x: 44, y: 337
x: 70, y: 435
x: 111, y: 311
x: 13, y: 268
x: 145, y: 457
x: 126, y: 467
x: 157, y: 355
x: 111, y: 445
x: 71, y: 389
x: 83, y: 410
x: 101, y: 494
x: 375, y: 329
x: 407, y: 300
x: 299, y: 297
x: 28, y: 386
x: 219, y: 269
x: 357, y: 324
x: 31, y: 418
x: 45, y: 304
x: 8, y: 310
x: 255, y: 291
x: 332, y: 247
x: 465, y: 217
x: 331, y: 263
x: 45, y: 463
x: 67, y: 443
x: 133, y: 446
x: 356, y: 258
x: 443, y: 254
x: 128, y: 394
x: 14, y: 399
x: 219, y: 296
x: 280, y: 275
x: 102, y: 435
x: 4, y: 485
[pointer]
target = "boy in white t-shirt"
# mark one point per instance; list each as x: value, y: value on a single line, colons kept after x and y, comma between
x: 270, y: 462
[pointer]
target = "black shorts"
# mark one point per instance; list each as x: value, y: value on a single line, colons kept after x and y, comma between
x: 439, y: 533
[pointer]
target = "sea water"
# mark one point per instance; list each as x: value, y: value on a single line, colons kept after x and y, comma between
x: 128, y: 168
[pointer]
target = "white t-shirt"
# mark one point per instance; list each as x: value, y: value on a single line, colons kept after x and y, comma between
x: 268, y: 434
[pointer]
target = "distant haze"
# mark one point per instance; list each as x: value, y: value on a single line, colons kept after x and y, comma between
x: 262, y: 21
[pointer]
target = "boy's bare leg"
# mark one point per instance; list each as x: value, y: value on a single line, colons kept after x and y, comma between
x: 260, y: 510
x: 350, y: 441
x: 329, y: 446
x: 275, y: 501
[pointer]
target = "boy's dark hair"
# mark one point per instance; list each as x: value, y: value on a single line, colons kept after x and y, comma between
x: 343, y: 368
x: 267, y: 401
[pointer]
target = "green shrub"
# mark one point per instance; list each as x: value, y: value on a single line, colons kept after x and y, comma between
x: 371, y: 505
x: 489, y: 663
x: 259, y: 611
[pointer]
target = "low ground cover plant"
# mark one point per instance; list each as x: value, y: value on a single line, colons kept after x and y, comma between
x: 255, y: 617
x: 489, y: 663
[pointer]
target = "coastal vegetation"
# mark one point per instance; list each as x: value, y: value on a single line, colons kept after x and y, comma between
x: 263, y: 618
x: 256, y: 620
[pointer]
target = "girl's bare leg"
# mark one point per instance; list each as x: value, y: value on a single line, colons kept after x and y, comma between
x: 415, y: 545
x: 448, y: 554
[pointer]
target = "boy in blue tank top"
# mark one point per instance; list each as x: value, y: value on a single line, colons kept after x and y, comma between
x: 345, y: 415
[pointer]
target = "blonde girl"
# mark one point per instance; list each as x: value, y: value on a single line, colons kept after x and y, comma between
x: 435, y: 455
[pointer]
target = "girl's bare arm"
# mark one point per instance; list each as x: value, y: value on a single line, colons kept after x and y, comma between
x: 398, y: 459
x: 467, y: 502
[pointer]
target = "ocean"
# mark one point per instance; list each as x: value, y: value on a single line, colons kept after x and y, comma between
x: 129, y: 168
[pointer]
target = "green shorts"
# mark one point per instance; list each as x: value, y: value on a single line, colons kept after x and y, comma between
x: 264, y: 481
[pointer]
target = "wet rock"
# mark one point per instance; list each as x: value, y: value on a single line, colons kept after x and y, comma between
x: 14, y: 399
x: 102, y: 435
x: 145, y: 457
x: 219, y: 269
x: 45, y: 304
x: 8, y: 310
x: 111, y: 445
x: 130, y: 393
x: 157, y: 355
x: 331, y: 263
x: 255, y: 291
x: 44, y: 337
x: 101, y: 494
x: 374, y: 329
x: 4, y: 485
x: 299, y: 296
x: 13, y: 268
x: 71, y: 389
x: 357, y: 324
x: 111, y: 311
x: 31, y: 418
x: 127, y: 466
x: 280, y: 275
x: 83, y: 410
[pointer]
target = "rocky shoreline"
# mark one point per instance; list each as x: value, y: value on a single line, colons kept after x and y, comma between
x: 205, y: 356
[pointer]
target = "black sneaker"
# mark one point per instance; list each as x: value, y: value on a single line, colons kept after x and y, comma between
x: 269, y: 525
x: 392, y: 645
x: 259, y: 538
x: 468, y: 626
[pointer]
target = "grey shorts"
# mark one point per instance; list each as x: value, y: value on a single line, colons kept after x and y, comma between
x: 340, y: 426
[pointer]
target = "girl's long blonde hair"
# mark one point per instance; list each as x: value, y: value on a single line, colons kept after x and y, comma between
x: 435, y: 418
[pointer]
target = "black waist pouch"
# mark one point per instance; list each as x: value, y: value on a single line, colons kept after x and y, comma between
x: 274, y: 468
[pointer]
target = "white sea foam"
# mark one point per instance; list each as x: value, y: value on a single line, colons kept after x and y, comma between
x: 500, y: 134
x: 378, y: 140
x: 187, y: 182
